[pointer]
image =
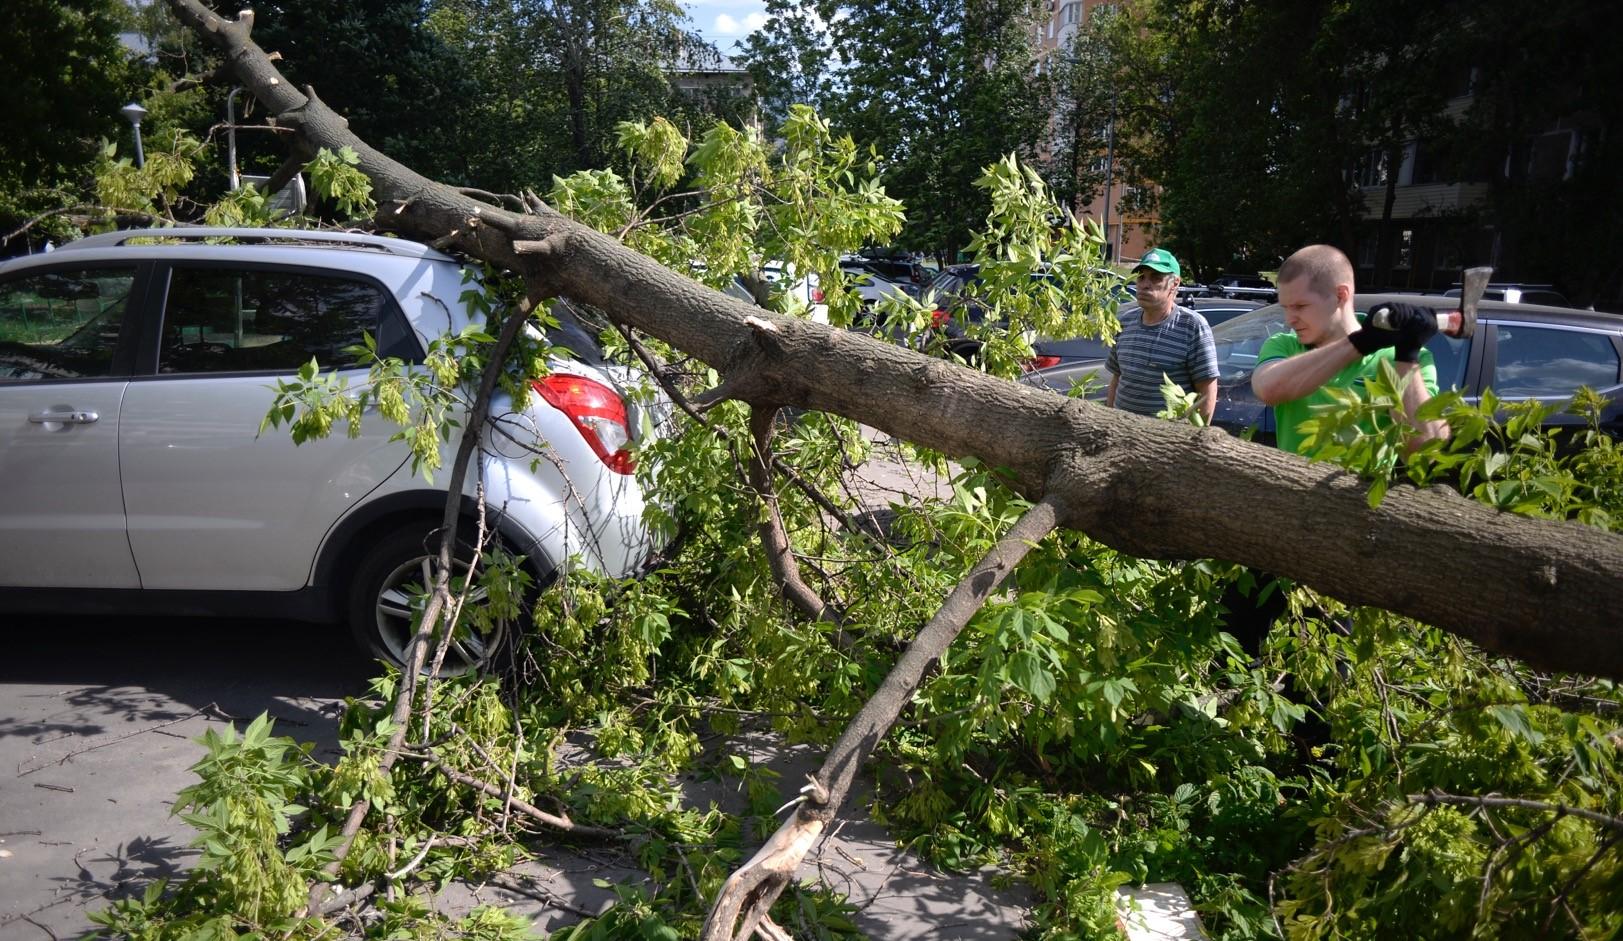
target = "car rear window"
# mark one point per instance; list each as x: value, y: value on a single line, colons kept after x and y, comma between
x: 62, y: 324
x: 948, y: 282
x: 250, y: 320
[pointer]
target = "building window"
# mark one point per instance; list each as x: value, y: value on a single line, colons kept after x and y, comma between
x: 1372, y: 168
x: 1551, y: 158
x: 1404, y: 259
x: 1427, y: 167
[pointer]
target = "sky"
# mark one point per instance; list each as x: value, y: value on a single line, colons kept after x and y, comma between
x: 725, y: 22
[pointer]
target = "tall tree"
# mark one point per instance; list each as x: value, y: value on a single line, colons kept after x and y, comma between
x: 1086, y: 98
x: 77, y: 76
x: 1544, y: 129
x: 942, y: 88
x: 1395, y: 65
x: 377, y: 64
x: 788, y: 58
x: 580, y: 66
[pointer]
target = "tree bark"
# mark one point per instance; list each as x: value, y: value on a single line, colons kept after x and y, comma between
x: 1542, y: 591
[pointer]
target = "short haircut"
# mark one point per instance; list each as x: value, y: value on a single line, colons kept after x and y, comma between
x: 1325, y: 266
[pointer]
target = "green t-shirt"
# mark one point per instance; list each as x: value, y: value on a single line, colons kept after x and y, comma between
x: 1288, y: 415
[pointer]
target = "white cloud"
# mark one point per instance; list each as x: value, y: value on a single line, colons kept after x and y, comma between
x: 740, y: 22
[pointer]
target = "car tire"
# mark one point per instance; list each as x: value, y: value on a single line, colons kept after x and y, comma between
x: 381, y: 603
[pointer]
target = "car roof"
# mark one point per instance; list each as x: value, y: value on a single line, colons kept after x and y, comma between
x: 1504, y: 310
x: 1220, y: 303
x: 157, y: 242
x: 1494, y: 311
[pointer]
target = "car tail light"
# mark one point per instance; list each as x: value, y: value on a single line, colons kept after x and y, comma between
x: 597, y: 411
x: 939, y: 317
x: 817, y: 295
x: 1041, y: 362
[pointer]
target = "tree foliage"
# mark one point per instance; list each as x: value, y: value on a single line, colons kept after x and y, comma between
x: 940, y: 88
x: 400, y: 85
x: 554, y: 79
x: 1250, y: 127
x: 78, y: 76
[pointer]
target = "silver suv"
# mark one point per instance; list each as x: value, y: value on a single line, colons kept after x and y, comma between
x: 136, y: 367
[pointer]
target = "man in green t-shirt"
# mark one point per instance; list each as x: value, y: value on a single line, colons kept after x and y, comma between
x: 1327, y: 347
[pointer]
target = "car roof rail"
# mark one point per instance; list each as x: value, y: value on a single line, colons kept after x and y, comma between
x: 305, y: 238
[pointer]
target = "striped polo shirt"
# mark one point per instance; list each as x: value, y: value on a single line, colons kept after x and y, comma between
x: 1180, y: 346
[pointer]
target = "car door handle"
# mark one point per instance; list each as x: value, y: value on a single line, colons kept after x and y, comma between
x: 64, y: 418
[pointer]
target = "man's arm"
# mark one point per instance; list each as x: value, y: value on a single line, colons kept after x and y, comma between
x: 1110, y: 391
x: 1415, y: 395
x: 1207, y: 389
x: 1202, y: 365
x: 1286, y: 380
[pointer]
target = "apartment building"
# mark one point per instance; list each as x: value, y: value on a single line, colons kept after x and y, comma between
x: 1129, y: 233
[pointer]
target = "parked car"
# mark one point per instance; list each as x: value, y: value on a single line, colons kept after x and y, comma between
x: 1245, y: 288
x: 1051, y: 353
x: 784, y: 288
x: 871, y: 286
x: 1521, y: 351
x: 904, y: 271
x: 135, y: 370
x: 1519, y: 294
x: 956, y: 288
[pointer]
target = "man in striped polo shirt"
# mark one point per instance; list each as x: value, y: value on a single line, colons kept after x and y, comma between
x: 1160, y: 339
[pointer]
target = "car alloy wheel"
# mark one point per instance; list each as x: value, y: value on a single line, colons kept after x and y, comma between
x: 387, y: 598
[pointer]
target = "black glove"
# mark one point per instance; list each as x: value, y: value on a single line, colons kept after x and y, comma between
x: 1402, y: 318
x: 1367, y: 340
x: 1414, y: 326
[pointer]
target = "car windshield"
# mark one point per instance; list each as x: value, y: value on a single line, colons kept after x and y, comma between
x: 1239, y: 340
x: 948, y: 282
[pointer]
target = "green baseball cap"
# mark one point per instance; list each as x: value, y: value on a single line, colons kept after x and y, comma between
x: 1159, y: 259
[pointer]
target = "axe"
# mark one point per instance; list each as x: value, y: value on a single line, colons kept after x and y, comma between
x: 1455, y: 323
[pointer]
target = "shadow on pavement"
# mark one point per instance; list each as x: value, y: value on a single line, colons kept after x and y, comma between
x: 99, y: 719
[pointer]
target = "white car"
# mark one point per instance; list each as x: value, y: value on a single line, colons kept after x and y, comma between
x: 136, y: 367
x: 790, y: 295
x: 871, y: 286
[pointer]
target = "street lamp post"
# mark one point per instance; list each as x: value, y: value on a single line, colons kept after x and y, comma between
x: 1110, y: 168
x: 133, y: 113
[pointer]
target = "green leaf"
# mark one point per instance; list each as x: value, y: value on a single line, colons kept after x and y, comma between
x: 1515, y: 721
x: 1027, y: 672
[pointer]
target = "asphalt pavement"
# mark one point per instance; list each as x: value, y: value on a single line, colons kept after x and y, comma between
x: 99, y: 719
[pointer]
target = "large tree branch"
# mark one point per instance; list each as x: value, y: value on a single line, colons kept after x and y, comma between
x: 775, y: 538
x: 749, y: 892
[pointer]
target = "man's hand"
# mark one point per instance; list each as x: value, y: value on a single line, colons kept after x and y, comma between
x: 1367, y: 340
x: 1412, y: 325
x: 1399, y: 317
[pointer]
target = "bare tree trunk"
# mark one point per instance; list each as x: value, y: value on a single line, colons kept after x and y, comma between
x: 1538, y: 590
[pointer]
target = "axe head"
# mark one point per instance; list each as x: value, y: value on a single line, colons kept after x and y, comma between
x: 1473, y: 281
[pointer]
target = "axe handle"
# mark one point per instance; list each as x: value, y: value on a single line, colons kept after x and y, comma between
x: 1450, y: 322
